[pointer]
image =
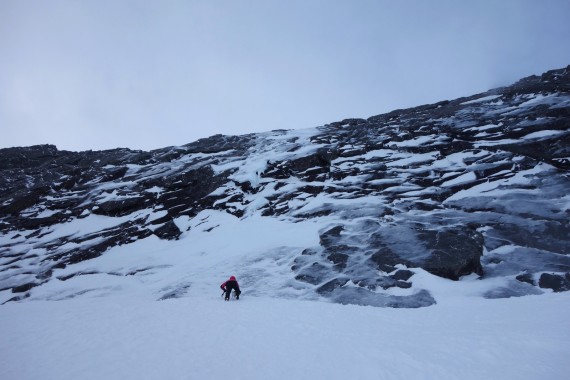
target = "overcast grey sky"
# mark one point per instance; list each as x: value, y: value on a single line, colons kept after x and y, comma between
x: 148, y: 74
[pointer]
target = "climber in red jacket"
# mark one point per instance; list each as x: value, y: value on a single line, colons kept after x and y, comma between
x: 230, y: 285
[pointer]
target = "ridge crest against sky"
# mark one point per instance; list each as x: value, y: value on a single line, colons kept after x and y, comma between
x: 145, y: 75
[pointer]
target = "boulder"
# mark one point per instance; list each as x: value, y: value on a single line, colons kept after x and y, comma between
x: 556, y: 282
x: 454, y: 252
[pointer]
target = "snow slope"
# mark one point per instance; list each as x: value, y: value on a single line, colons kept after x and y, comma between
x: 202, y: 337
x: 152, y: 310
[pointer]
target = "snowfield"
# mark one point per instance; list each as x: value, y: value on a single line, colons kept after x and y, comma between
x: 152, y: 310
x: 203, y: 337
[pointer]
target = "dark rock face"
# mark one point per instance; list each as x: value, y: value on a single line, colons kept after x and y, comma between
x: 23, y: 288
x: 168, y: 231
x: 556, y: 282
x: 120, y: 207
x: 455, y: 253
x: 386, y: 260
x: 313, y: 274
x: 471, y: 186
x: 526, y: 278
x: 330, y: 286
x: 403, y: 275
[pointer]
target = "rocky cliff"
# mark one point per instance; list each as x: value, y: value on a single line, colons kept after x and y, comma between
x: 477, y: 186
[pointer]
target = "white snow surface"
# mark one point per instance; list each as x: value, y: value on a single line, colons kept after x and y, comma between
x: 483, y: 99
x: 462, y: 179
x: 203, y: 337
x: 115, y: 319
x: 542, y: 134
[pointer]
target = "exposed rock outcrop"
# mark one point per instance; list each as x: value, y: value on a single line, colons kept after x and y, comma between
x: 472, y: 186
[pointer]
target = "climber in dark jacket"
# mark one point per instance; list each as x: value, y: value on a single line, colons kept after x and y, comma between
x: 230, y: 285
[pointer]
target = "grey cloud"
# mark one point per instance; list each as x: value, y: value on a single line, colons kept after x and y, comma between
x: 144, y: 74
